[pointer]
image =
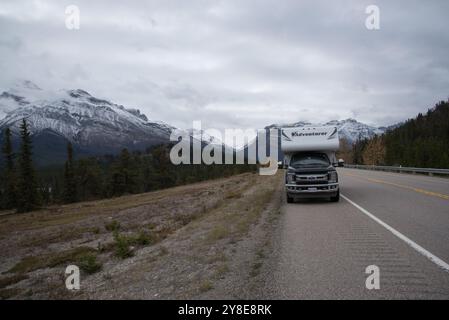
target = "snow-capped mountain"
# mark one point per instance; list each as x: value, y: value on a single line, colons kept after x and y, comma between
x: 93, y: 125
x: 204, y: 136
x: 97, y: 126
x: 352, y: 130
x: 349, y: 129
x: 18, y: 96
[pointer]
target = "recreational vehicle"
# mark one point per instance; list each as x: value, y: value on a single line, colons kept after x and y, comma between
x: 309, y: 157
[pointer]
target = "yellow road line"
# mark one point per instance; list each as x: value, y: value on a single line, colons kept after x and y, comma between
x: 429, y: 193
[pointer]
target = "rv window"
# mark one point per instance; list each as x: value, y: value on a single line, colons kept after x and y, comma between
x: 309, y: 160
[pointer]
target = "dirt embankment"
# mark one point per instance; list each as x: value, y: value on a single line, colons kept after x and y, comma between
x: 205, y: 240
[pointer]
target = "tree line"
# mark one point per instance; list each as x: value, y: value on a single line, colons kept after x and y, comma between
x: 25, y: 189
x: 19, y: 188
x: 419, y: 142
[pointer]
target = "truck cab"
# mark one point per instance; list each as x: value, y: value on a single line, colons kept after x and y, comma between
x: 310, y: 162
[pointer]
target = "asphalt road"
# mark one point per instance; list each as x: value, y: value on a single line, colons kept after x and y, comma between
x: 397, y: 222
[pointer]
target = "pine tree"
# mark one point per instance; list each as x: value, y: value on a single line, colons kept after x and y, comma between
x: 119, y: 174
x: 419, y: 142
x: 89, y: 179
x: 70, y: 194
x: 56, y: 190
x: 357, y: 151
x: 45, y: 193
x: 28, y: 198
x: 9, y: 194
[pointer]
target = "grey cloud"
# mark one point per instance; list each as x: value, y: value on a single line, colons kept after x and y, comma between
x: 236, y: 63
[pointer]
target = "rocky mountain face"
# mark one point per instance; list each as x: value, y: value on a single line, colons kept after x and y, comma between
x: 94, y: 126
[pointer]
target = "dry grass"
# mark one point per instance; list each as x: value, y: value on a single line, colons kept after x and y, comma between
x: 221, y: 270
x: 235, y: 219
x: 64, y: 235
x: 32, y: 263
x: 10, y: 280
x: 217, y: 233
x: 209, y: 216
x: 217, y: 257
x: 66, y: 214
x: 9, y: 293
x: 233, y: 194
x: 205, y: 285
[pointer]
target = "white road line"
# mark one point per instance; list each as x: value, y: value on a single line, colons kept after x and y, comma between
x: 410, y: 242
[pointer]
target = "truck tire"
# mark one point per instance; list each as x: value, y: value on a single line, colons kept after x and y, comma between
x: 336, y: 198
x: 289, y: 199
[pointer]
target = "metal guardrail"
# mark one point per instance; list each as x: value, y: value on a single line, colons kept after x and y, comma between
x: 429, y: 171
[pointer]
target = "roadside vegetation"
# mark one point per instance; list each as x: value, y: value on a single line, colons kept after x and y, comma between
x: 177, y: 242
x: 24, y: 189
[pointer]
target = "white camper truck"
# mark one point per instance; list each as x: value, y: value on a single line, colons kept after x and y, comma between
x: 310, y: 161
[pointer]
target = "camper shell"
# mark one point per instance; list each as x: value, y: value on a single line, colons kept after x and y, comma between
x: 309, y: 157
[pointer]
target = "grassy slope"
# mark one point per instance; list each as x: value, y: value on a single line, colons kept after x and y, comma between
x: 103, y: 236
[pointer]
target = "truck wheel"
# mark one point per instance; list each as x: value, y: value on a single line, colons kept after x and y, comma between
x: 289, y: 199
x: 336, y: 198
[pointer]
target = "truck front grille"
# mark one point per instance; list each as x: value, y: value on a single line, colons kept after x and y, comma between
x: 310, y: 179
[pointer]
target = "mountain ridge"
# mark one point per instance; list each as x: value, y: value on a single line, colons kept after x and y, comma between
x: 95, y: 126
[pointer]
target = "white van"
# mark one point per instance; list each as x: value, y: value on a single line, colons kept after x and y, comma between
x: 310, y: 162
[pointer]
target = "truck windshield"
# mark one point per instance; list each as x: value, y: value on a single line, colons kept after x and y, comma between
x: 310, y: 160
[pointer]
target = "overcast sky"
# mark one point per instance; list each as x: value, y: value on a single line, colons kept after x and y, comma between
x: 236, y: 63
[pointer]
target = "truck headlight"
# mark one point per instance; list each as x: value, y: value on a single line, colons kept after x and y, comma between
x: 290, y: 178
x: 333, y: 177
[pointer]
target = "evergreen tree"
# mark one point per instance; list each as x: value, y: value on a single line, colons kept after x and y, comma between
x: 9, y: 186
x: 419, y: 142
x: 90, y: 180
x: 69, y: 194
x: 45, y: 193
x: 148, y: 174
x: 28, y: 197
x: 55, y: 189
x: 108, y: 176
x: 123, y: 175
x: 165, y: 176
x: 357, y: 151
